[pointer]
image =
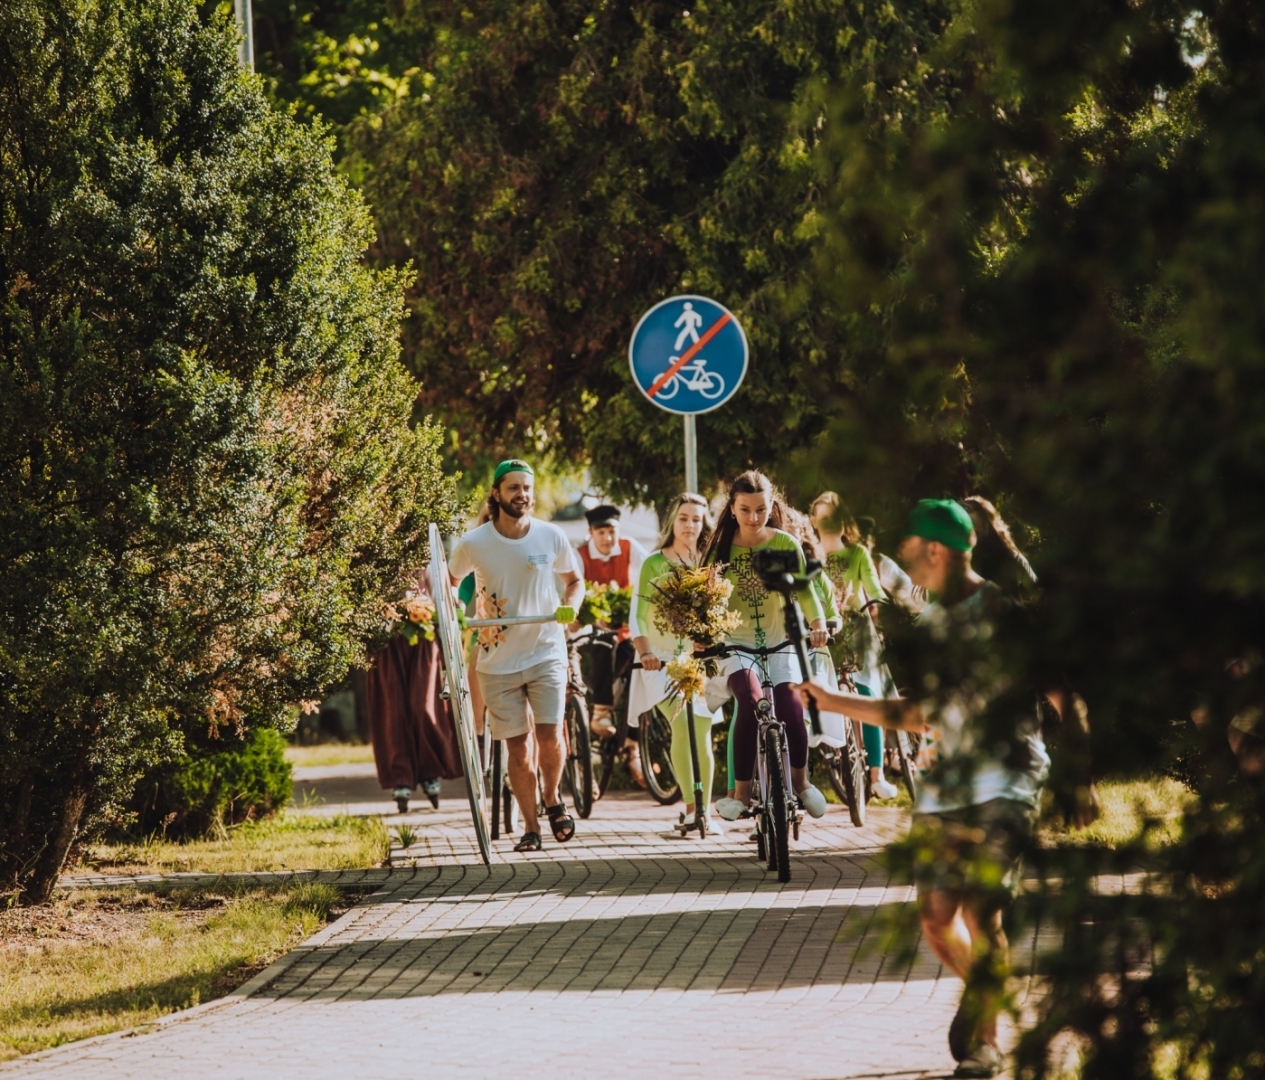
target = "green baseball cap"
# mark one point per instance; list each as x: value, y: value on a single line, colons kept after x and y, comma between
x: 943, y: 521
x: 513, y: 465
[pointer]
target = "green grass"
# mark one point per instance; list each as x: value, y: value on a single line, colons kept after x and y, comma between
x: 92, y: 962
x: 285, y: 841
x: 329, y: 754
x: 1148, y: 810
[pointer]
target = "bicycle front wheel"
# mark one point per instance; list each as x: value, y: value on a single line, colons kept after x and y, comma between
x: 655, y: 736
x: 908, y: 744
x: 579, y: 766
x: 777, y: 809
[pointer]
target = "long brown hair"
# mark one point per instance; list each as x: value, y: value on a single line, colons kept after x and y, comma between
x: 828, y: 509
x: 686, y: 498
x: 751, y: 482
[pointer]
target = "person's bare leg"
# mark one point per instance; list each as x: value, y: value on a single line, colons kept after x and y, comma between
x: 940, y: 912
x: 991, y: 950
x: 799, y: 779
x: 551, y: 750
x: 522, y: 770
x: 742, y: 791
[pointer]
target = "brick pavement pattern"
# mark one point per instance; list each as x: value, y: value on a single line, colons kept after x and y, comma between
x: 627, y: 952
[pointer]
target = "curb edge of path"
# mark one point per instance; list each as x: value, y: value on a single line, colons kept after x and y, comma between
x: 242, y: 993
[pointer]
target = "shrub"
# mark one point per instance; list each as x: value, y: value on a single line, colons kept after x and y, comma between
x: 217, y: 783
x: 208, y: 474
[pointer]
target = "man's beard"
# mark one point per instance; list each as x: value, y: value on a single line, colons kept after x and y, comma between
x: 515, y: 511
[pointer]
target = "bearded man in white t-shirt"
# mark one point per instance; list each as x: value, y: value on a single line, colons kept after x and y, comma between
x: 522, y: 669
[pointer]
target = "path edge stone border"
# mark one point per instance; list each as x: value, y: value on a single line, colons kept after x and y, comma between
x: 255, y: 983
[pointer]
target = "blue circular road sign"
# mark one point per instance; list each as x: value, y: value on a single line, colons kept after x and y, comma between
x: 688, y: 354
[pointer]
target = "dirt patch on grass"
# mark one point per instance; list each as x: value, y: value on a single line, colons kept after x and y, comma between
x: 88, y: 919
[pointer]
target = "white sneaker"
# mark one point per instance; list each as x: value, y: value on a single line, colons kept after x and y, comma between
x: 883, y: 789
x: 730, y: 809
x: 812, y: 800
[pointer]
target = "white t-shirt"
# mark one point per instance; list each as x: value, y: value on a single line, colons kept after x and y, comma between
x: 516, y: 577
x: 898, y: 586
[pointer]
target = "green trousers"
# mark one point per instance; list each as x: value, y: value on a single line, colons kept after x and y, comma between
x: 682, y: 764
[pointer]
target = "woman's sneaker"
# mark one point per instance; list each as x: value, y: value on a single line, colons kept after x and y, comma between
x: 730, y: 809
x: 882, y: 788
x: 813, y: 801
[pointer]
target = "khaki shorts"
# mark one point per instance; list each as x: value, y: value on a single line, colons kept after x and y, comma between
x: 516, y: 700
x: 978, y: 848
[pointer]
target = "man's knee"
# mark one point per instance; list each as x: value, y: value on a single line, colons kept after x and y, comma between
x: 519, y: 747
x: 549, y: 735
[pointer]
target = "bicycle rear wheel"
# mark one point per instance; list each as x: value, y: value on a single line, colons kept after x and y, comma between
x: 579, y: 766
x: 656, y: 758
x: 777, y: 808
x: 853, y: 773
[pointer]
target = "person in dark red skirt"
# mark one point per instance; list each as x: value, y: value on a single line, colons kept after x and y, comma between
x: 410, y: 725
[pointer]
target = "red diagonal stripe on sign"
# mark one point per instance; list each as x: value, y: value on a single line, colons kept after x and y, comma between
x: 688, y: 355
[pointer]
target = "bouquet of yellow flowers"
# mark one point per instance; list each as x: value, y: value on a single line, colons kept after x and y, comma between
x: 416, y: 620
x: 693, y: 604
x: 686, y: 676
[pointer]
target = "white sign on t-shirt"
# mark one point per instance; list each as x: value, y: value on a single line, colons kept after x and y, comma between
x: 516, y: 577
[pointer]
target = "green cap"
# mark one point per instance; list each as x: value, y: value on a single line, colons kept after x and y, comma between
x: 943, y: 521
x: 513, y: 465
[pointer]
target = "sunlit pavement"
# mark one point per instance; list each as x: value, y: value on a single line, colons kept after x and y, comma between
x: 626, y: 952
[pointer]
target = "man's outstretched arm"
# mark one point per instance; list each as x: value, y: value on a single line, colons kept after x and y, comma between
x: 899, y: 714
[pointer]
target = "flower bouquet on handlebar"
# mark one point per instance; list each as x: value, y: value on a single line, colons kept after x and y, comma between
x: 693, y: 605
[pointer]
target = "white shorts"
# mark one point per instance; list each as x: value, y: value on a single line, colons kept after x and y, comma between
x: 517, y: 700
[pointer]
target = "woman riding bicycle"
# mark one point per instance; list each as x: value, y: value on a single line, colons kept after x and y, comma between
x: 851, y: 569
x: 689, y: 528
x: 751, y: 521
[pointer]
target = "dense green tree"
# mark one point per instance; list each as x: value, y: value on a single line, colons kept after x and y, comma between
x: 556, y: 168
x: 1051, y: 293
x: 208, y: 481
x: 335, y: 60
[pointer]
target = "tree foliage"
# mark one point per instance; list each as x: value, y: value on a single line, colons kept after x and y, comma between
x: 209, y: 481
x: 1051, y: 291
x: 556, y: 168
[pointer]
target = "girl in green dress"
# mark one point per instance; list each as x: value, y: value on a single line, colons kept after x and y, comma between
x: 750, y: 522
x: 689, y: 527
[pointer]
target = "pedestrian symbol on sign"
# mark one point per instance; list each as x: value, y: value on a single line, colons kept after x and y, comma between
x: 691, y: 320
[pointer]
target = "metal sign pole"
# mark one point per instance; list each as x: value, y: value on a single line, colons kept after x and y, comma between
x: 245, y: 24
x: 691, y: 453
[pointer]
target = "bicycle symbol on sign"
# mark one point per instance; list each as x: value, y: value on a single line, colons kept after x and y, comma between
x: 708, y: 383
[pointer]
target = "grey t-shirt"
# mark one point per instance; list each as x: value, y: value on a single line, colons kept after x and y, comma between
x: 959, y: 768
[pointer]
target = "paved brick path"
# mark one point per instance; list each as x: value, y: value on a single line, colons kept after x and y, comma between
x: 623, y: 953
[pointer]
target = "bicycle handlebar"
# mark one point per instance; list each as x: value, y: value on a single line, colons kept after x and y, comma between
x: 723, y: 648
